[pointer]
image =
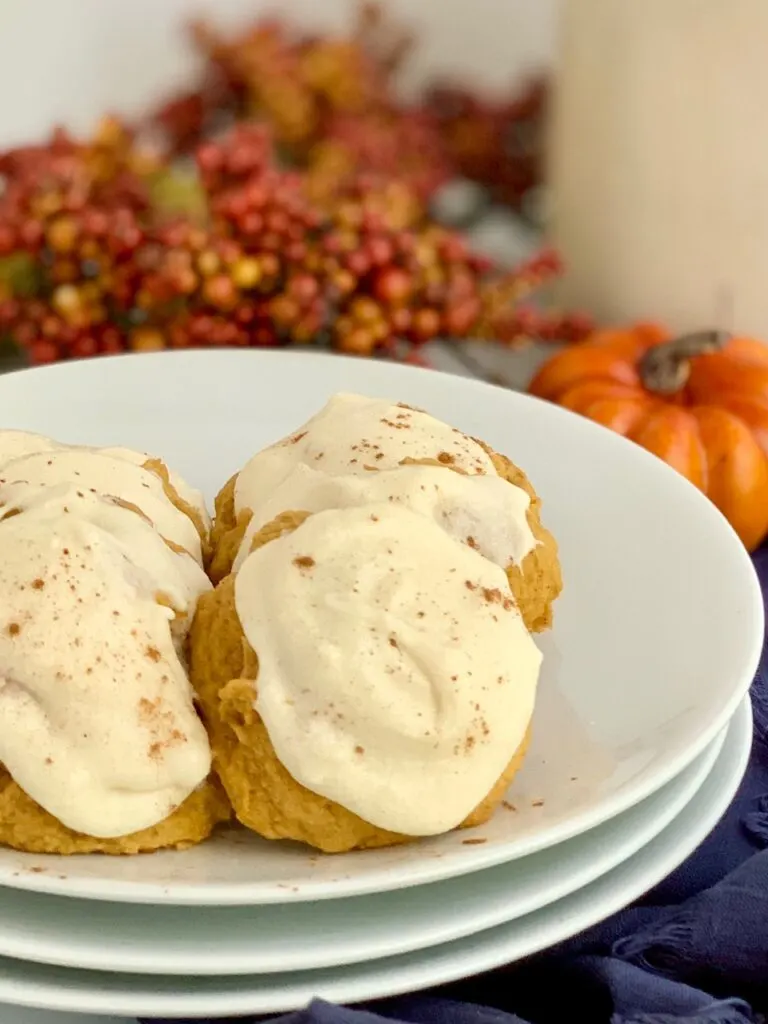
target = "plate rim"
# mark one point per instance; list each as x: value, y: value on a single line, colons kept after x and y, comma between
x: 447, y: 964
x: 199, y: 962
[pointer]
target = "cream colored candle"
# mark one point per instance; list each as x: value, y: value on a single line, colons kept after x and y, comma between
x: 659, y: 161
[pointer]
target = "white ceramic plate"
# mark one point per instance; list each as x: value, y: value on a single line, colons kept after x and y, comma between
x: 58, y: 988
x: 306, y: 936
x: 657, y: 634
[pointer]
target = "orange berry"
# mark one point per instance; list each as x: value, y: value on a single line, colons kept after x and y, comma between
x: 62, y: 234
x: 246, y: 272
x: 426, y: 324
x: 359, y: 342
x: 284, y: 310
x: 393, y: 286
x: 365, y: 310
x: 146, y: 339
x: 208, y: 263
x: 66, y: 300
x: 344, y: 281
x: 220, y: 291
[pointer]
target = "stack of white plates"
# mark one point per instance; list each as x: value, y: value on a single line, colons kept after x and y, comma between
x: 642, y: 728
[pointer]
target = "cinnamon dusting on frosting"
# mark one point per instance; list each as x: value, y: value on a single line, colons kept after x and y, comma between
x: 88, y: 653
x: 346, y: 668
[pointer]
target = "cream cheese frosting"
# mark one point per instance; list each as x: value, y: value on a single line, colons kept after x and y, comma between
x: 354, y: 435
x: 188, y: 494
x: 396, y: 676
x: 97, y: 722
x: 486, y: 512
x: 330, y: 463
x: 108, y: 474
x: 15, y: 444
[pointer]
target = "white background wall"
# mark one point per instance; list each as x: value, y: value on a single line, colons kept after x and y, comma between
x: 69, y: 60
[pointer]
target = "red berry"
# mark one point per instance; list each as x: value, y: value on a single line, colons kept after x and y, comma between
x: 220, y: 291
x: 43, y: 352
x: 83, y: 347
x: 270, y: 264
x: 460, y: 318
x: 453, y: 249
x: 255, y: 195
x: 296, y: 252
x: 111, y: 342
x: 277, y: 221
x: 380, y: 250
x: 401, y: 320
x: 7, y: 239
x: 358, y: 263
x: 209, y: 157
x: 303, y: 287
x: 31, y: 234
x: 264, y: 337
x: 251, y: 223
x: 393, y: 286
x: 200, y: 327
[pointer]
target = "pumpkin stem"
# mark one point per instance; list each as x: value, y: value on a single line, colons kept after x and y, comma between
x: 665, y: 368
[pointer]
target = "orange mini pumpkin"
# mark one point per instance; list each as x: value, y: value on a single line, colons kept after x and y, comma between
x: 700, y: 402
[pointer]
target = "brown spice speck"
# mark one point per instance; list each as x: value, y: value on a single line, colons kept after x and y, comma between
x: 446, y: 458
x: 508, y: 806
x: 297, y: 437
x: 38, y: 584
x: 152, y: 653
x: 393, y: 642
x: 537, y: 803
x: 304, y: 562
x: 470, y: 585
x: 359, y: 750
x: 473, y: 842
x: 148, y: 708
x: 13, y: 629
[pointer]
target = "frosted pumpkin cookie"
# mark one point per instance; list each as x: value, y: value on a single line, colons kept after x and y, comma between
x: 365, y: 679
x: 101, y: 747
x: 357, y: 450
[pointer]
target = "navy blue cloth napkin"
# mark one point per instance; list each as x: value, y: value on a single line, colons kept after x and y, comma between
x: 694, y: 950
